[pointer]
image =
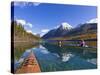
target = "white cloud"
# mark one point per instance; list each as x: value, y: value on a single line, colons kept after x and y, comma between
x: 29, y: 31
x: 24, y: 23
x: 35, y: 33
x: 29, y: 24
x: 66, y: 56
x: 44, y: 30
x: 43, y: 50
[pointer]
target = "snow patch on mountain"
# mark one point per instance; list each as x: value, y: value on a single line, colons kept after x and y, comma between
x: 92, y: 21
x: 65, y: 25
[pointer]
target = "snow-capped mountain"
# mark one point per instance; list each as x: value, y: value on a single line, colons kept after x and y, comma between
x: 65, y: 29
x: 65, y: 26
x: 92, y: 21
x: 60, y: 30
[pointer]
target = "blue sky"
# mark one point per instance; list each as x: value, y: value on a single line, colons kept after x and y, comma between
x: 41, y: 17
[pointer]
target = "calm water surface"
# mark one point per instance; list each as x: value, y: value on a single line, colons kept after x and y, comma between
x: 54, y: 58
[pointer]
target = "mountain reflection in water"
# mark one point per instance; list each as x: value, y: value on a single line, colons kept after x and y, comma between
x: 54, y: 58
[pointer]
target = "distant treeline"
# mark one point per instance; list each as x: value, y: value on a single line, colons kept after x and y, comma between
x: 19, y: 34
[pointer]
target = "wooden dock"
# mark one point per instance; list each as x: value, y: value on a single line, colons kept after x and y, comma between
x: 30, y: 65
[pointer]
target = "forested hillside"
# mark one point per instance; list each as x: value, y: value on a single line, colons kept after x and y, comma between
x: 21, y: 35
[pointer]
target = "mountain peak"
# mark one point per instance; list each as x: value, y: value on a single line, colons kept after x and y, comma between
x: 92, y: 21
x: 66, y: 26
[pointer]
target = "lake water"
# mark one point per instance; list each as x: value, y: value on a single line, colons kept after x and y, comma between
x: 55, y: 58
